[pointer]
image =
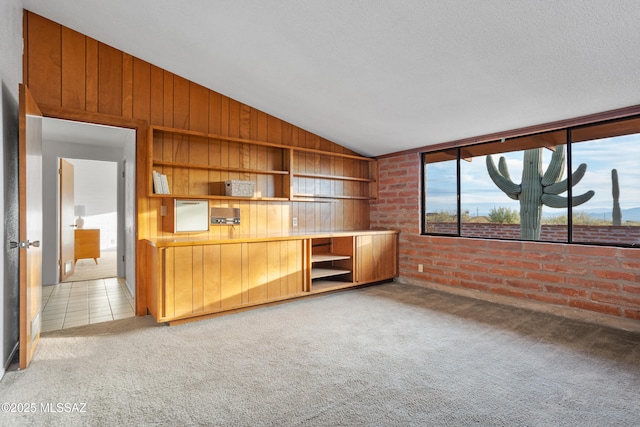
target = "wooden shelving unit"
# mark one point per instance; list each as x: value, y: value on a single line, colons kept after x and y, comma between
x: 332, y: 264
x: 198, y: 163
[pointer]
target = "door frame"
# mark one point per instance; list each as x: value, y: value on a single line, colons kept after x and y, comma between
x: 141, y: 184
x: 65, y: 243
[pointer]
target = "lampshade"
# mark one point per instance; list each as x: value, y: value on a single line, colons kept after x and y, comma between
x: 79, y: 210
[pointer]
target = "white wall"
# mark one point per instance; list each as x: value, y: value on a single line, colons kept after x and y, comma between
x: 10, y: 77
x: 96, y: 187
x: 129, y: 227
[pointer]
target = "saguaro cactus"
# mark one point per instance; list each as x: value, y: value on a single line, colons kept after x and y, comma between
x: 616, y: 215
x: 537, y: 189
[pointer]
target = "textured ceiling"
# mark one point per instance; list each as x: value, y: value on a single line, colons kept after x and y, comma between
x: 383, y: 76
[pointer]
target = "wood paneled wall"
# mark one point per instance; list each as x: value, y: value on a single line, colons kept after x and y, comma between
x: 68, y: 70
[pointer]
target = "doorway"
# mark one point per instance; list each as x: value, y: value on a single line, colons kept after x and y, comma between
x: 88, y: 220
x: 104, y: 159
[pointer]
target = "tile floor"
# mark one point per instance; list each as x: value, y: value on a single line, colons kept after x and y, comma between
x: 81, y: 303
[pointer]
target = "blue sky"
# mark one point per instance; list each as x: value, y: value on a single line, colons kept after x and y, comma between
x: 480, y: 194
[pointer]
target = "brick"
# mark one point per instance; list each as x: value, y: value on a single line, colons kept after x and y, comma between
x: 522, y: 284
x: 462, y: 275
x: 632, y: 289
x: 592, y: 261
x: 486, y: 261
x: 545, y: 277
x: 593, y: 251
x: 544, y: 256
x: 472, y: 250
x: 494, y: 280
x: 593, y: 284
x: 592, y: 306
x: 565, y: 268
x: 542, y: 247
x: 474, y: 285
x: 551, y: 299
x: 572, y: 292
x: 433, y: 271
x: 616, y: 299
x: 523, y: 265
x: 506, y: 272
x: 632, y: 314
x: 629, y: 253
x: 615, y: 275
x: 509, y: 292
x: 630, y: 265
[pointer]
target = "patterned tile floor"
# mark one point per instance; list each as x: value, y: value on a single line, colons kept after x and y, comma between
x: 81, y: 303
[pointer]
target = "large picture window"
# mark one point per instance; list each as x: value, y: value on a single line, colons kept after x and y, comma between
x: 577, y: 185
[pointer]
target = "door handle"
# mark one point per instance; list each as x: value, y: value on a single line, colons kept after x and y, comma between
x: 25, y: 244
x: 13, y: 245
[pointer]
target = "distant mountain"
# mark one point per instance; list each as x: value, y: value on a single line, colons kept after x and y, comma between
x: 632, y: 214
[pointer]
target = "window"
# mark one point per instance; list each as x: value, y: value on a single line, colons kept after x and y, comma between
x: 441, y: 192
x: 521, y: 188
x: 612, y: 153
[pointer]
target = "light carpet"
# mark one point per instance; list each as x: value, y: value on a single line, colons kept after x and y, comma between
x: 386, y: 355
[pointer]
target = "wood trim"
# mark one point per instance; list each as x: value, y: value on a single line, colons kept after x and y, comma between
x: 529, y: 130
x: 57, y: 112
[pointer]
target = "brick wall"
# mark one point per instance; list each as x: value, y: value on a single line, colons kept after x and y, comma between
x: 596, y: 279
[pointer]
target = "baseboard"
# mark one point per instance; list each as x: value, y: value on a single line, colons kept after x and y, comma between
x: 557, y: 310
x: 132, y: 289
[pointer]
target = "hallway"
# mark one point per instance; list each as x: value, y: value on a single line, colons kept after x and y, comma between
x: 67, y: 305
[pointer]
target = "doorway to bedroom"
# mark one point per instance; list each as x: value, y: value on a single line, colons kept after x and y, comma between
x: 89, y: 223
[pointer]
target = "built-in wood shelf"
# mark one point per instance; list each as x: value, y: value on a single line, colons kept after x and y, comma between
x: 317, y: 273
x: 219, y: 168
x: 328, y: 257
x: 214, y: 197
x: 329, y: 285
x: 197, y: 164
x: 327, y: 196
x: 334, y: 177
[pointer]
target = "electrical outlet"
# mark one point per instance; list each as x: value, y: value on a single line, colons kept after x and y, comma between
x: 420, y: 268
x: 295, y: 222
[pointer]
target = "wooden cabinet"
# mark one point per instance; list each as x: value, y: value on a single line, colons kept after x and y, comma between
x: 197, y: 164
x: 377, y: 257
x: 197, y: 279
x: 194, y: 280
x: 87, y: 244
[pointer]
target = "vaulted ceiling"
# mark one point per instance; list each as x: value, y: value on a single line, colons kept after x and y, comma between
x: 380, y: 76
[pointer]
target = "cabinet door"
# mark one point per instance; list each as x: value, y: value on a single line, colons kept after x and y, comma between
x: 365, y: 266
x: 191, y: 215
x: 376, y: 257
x: 274, y: 270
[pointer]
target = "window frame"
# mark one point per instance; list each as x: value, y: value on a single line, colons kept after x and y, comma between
x: 568, y: 130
